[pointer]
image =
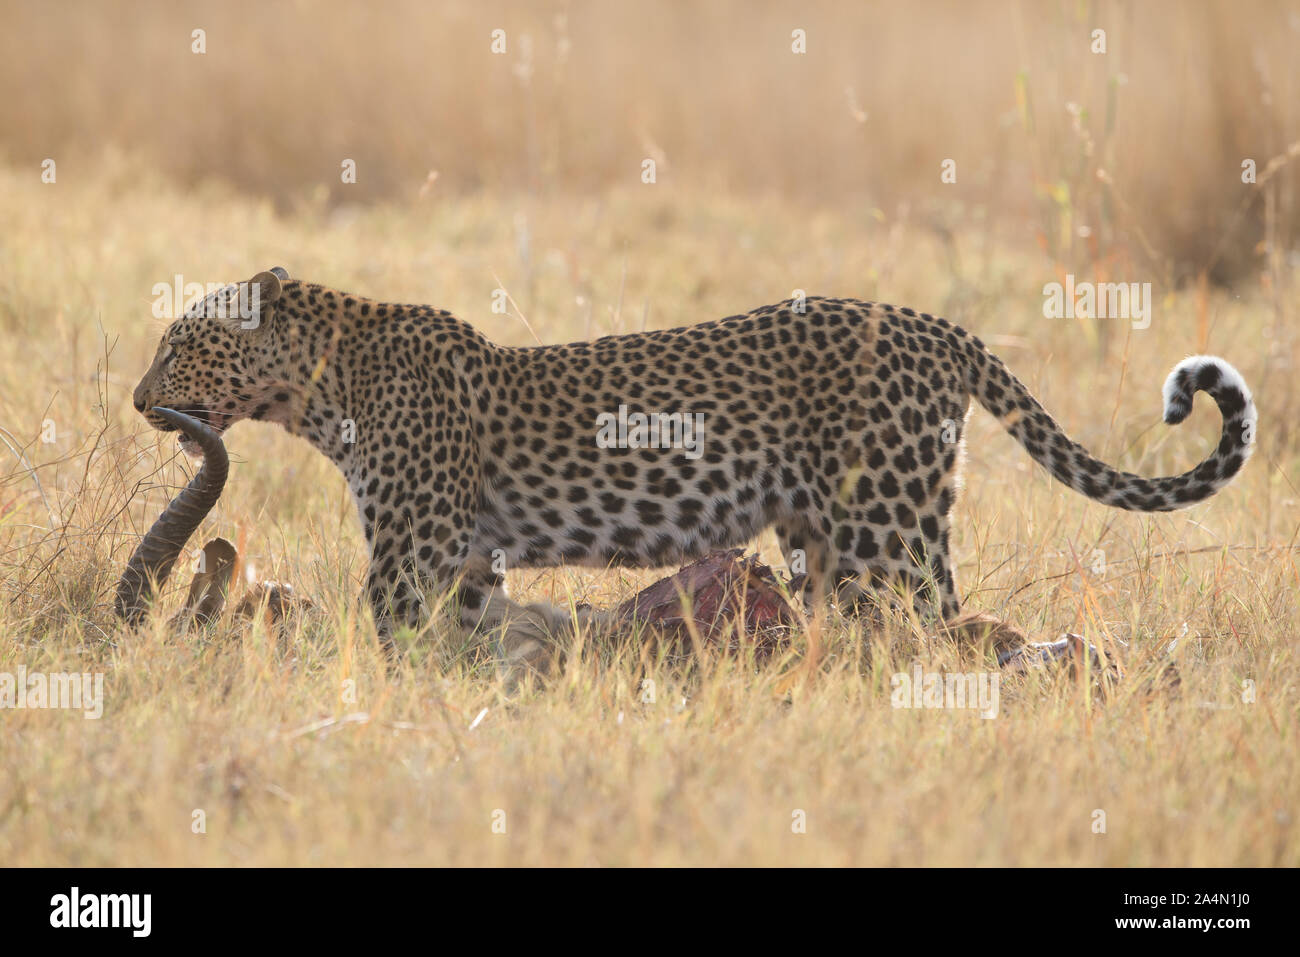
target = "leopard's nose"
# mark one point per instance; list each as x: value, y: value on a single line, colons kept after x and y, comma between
x: 140, y: 398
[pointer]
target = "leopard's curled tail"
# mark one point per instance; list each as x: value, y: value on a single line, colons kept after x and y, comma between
x: 1007, y: 398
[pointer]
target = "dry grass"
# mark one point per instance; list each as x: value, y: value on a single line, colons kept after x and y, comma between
x: 288, y: 771
x: 291, y: 768
x: 585, y: 90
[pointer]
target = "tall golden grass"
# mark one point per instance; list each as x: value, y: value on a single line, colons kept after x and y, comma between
x: 312, y: 752
x: 315, y: 754
x: 1012, y: 91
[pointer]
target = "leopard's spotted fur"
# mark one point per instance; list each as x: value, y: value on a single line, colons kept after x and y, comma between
x: 839, y: 425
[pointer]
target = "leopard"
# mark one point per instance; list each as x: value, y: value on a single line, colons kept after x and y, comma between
x: 837, y: 423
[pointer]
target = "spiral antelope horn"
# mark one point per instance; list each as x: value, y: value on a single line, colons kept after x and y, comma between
x: 157, y: 552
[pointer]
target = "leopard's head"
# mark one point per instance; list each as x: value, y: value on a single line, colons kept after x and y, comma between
x: 218, y: 361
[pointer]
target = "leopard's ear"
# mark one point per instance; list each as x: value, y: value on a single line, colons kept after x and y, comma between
x: 270, y: 284
x: 249, y: 304
x: 281, y: 272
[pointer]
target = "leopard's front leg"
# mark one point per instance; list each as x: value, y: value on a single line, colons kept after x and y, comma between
x: 404, y: 590
x: 423, y: 556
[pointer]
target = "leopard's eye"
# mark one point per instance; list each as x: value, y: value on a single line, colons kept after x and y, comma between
x: 172, y: 344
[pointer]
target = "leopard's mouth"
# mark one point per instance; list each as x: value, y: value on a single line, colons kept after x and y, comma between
x: 213, y: 420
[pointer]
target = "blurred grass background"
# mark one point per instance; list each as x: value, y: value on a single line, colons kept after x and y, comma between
x: 1128, y: 157
x: 776, y: 171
